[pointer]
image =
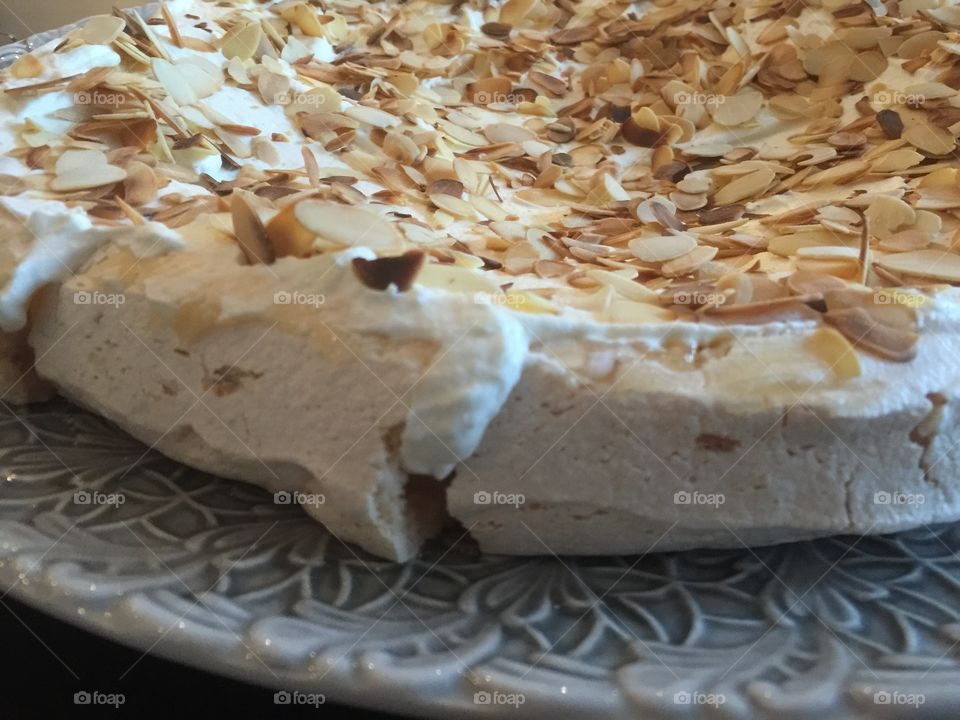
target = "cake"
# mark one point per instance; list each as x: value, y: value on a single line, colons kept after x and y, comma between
x: 585, y: 278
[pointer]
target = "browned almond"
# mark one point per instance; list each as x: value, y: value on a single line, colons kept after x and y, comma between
x: 496, y: 29
x: 554, y: 86
x: 245, y: 130
x: 673, y: 171
x: 856, y: 324
x: 399, y: 270
x: 445, y: 186
x: 250, y: 231
x: 811, y: 283
x: 890, y: 123
x: 637, y: 135
x: 721, y: 214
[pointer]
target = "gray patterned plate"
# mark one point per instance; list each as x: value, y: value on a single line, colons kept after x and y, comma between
x: 133, y: 546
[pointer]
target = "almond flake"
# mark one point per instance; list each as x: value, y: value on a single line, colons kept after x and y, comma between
x: 865, y: 332
x: 891, y: 123
x: 242, y: 41
x: 626, y: 287
x: 930, y: 139
x: 905, y: 241
x: 745, y: 187
x: 100, y: 30
x: 399, y: 271
x: 443, y: 186
x: 141, y: 185
x: 249, y: 230
x: 733, y: 110
x: 836, y: 352
x: 496, y: 29
x: 171, y: 25
x: 935, y: 264
x: 662, y: 248
x: 554, y: 86
x: 810, y: 283
x: 86, y: 178
x: 689, y: 263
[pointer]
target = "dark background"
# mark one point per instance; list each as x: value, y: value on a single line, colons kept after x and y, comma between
x: 35, y: 684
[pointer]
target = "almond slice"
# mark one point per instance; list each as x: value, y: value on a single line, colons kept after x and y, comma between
x: 250, y: 231
x: 745, y: 187
x: 141, y: 184
x: 864, y: 331
x: 662, y: 248
x: 930, y: 263
x: 400, y: 271
x: 689, y: 263
x: 626, y: 287
x: 733, y: 110
x: 930, y: 139
x: 346, y: 225
x: 242, y: 41
x: 811, y: 283
x: 833, y: 348
x: 171, y: 25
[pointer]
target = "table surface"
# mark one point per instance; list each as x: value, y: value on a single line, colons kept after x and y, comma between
x: 69, y: 660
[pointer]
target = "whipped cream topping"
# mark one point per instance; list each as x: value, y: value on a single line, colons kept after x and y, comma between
x: 46, y: 242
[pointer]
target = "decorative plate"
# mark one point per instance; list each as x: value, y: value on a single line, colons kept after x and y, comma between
x: 98, y: 531
x: 125, y: 542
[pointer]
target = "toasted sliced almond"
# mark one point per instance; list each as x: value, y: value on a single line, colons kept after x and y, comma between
x: 745, y: 187
x: 732, y: 110
x: 250, y: 231
x: 689, y: 263
x: 626, y: 287
x: 836, y: 352
x: 662, y: 248
x: 930, y: 139
x: 140, y: 185
x: 399, y: 271
x: 86, y: 178
x: 865, y: 332
x: 346, y: 225
x: 930, y: 263
x: 810, y: 283
x: 905, y: 241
